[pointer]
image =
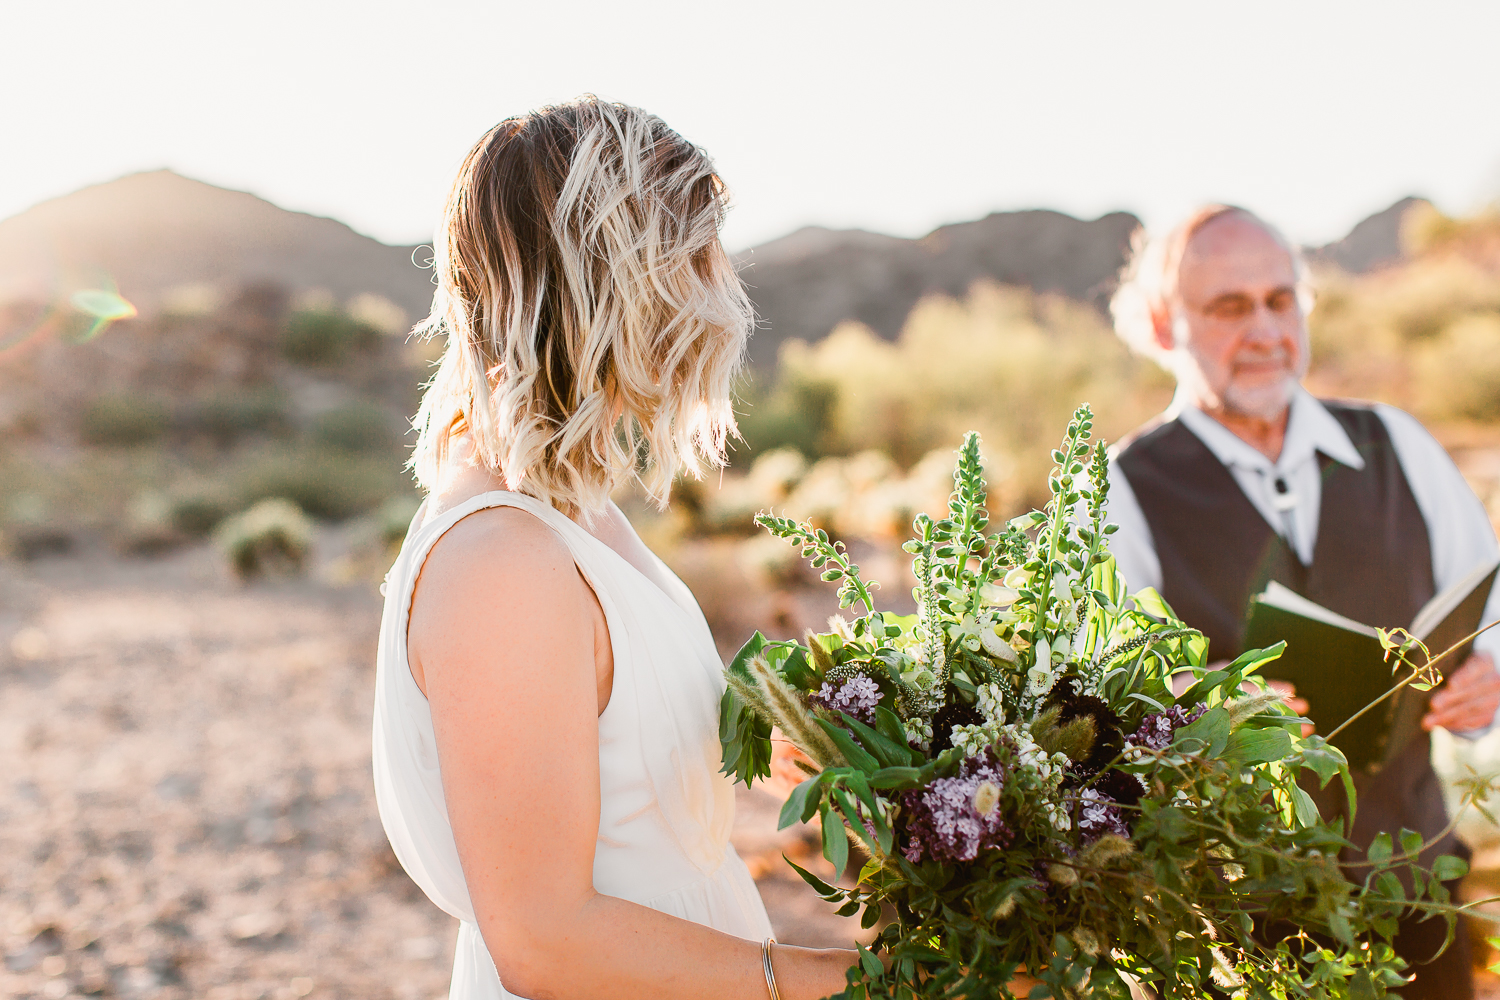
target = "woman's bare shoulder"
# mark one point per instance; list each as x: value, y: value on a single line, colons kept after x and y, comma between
x: 497, y: 549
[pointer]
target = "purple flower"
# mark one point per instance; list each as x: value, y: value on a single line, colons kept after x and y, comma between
x: 1098, y: 814
x: 951, y: 819
x: 857, y: 696
x: 1157, y: 731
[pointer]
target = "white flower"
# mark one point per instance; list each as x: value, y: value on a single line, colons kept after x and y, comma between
x: 971, y: 739
x: 991, y: 703
x: 969, y: 632
x: 1017, y: 578
x: 1039, y: 680
x: 997, y: 596
x: 995, y: 646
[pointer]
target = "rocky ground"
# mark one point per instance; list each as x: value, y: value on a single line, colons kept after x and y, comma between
x: 185, y: 800
x: 186, y: 808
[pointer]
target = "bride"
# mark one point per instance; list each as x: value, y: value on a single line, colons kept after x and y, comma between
x: 546, y: 719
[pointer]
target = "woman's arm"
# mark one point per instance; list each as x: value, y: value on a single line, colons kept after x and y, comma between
x: 505, y: 637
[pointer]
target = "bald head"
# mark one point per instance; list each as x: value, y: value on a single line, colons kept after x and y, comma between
x: 1225, y: 312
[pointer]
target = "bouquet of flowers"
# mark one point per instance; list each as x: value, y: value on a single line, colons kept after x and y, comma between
x: 1030, y: 794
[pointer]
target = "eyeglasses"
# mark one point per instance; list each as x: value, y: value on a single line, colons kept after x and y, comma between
x: 1233, y: 307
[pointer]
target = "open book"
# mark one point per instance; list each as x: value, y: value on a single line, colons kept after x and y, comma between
x: 1338, y: 666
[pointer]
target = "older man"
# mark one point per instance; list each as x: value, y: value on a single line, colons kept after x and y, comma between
x: 1247, y: 477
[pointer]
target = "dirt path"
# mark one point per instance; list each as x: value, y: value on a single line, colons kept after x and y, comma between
x: 186, y: 808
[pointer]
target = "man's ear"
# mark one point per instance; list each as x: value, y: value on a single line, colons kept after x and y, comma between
x: 1161, y: 327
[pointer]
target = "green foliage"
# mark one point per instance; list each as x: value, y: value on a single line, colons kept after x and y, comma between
x: 326, y: 337
x: 359, y: 426
x: 325, y: 483
x: 272, y: 536
x: 1002, y: 361
x: 824, y: 554
x: 124, y: 419
x: 1459, y: 372
x: 1023, y: 624
x: 228, y: 415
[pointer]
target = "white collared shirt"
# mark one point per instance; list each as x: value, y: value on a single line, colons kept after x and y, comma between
x: 1458, y: 528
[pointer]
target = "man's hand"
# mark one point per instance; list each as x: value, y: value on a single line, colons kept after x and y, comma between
x: 1470, y: 698
x: 1182, y: 681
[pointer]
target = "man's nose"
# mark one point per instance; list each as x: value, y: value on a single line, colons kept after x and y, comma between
x: 1261, y: 328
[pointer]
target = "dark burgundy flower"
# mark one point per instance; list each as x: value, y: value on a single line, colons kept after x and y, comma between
x: 955, y: 713
x: 1072, y: 704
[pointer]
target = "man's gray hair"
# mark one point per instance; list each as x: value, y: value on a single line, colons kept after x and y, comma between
x: 1149, y: 279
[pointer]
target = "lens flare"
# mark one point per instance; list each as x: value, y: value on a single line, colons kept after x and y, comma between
x: 103, y: 305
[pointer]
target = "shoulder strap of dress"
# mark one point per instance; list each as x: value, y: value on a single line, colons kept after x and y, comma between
x: 421, y: 542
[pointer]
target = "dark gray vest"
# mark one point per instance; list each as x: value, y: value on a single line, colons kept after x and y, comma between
x: 1372, y: 562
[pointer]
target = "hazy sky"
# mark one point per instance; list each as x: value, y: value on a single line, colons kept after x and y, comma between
x: 892, y: 117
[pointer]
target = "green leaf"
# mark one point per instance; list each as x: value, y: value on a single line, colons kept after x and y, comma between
x: 835, y: 840
x: 886, y: 751
x: 819, y: 886
x: 1205, y: 737
x: 855, y: 754
x: 1322, y: 758
x: 1380, y: 849
x: 871, y: 867
x: 841, y: 797
x: 748, y: 652
x: 896, y: 777
x: 1252, y: 660
x: 1153, y: 604
x: 1447, y: 868
x: 1258, y: 746
x: 1411, y: 842
x: 802, y: 803
x: 1304, y: 808
x: 1203, y: 686
x: 869, y: 963
x: 798, y: 672
x: 889, y: 726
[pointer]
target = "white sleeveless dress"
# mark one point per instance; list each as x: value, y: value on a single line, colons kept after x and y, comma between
x: 666, y: 811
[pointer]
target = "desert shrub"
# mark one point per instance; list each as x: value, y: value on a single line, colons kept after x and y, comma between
x: 272, y: 536
x: 147, y: 528
x: 326, y: 483
x: 1005, y: 362
x: 394, y: 518
x: 196, y: 510
x: 229, y: 415
x: 325, y: 336
x: 1459, y: 373
x: 124, y: 419
x: 357, y: 426
x: 795, y: 413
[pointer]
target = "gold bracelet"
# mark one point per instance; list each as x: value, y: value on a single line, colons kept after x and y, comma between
x: 765, y: 961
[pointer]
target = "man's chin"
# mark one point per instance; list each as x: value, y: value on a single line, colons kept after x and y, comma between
x: 1266, y: 401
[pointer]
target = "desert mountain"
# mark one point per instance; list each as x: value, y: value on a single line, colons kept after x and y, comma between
x: 154, y: 232
x: 805, y: 284
x: 1375, y: 242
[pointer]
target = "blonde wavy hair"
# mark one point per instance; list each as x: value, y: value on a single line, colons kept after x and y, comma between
x: 1148, y: 282
x: 594, y: 322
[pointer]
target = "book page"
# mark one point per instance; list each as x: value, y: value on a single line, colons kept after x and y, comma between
x: 1280, y: 596
x: 1442, y: 604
